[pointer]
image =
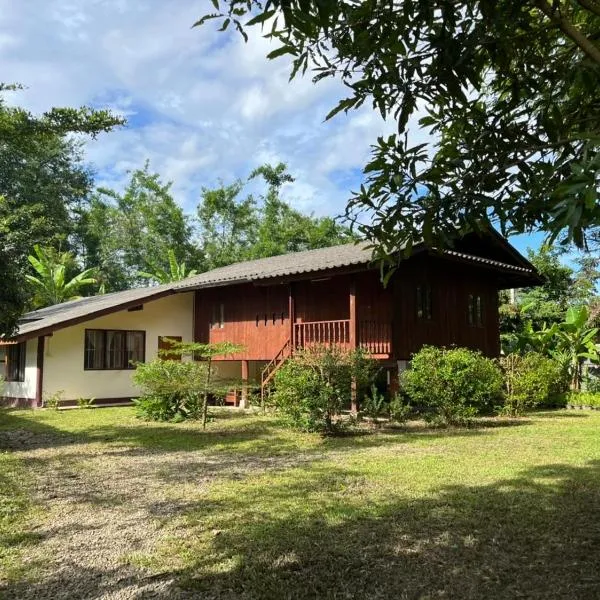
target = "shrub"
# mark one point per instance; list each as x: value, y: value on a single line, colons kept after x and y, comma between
x: 313, y: 387
x: 452, y: 385
x: 375, y: 405
x: 175, y: 390
x: 591, y: 399
x: 171, y: 390
x: 53, y: 401
x: 400, y: 409
x: 532, y: 380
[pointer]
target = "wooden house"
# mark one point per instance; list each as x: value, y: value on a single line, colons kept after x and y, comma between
x: 272, y: 307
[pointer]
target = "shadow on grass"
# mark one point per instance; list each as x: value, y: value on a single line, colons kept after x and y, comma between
x: 534, y: 536
x: 244, y: 433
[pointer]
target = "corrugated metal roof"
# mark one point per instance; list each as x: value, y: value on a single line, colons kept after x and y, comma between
x: 284, y: 265
x: 76, y: 309
x: 287, y: 265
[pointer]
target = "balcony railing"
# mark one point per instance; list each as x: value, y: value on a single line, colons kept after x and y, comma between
x: 373, y: 336
x: 322, y: 333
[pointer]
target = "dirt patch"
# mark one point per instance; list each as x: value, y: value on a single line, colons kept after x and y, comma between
x: 104, y: 504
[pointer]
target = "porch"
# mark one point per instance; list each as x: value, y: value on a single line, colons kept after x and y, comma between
x: 372, y: 336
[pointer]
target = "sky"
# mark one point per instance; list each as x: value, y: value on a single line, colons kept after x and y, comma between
x: 201, y: 106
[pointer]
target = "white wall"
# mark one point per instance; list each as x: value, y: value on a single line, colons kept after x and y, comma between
x: 24, y: 389
x: 63, y: 360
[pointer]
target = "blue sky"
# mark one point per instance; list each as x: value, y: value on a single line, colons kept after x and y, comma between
x: 200, y: 106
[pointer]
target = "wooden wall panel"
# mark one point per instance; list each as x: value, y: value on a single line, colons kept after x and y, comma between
x: 451, y: 285
x: 386, y: 312
x: 254, y: 316
x: 327, y: 300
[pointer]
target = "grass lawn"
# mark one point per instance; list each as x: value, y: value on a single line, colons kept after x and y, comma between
x: 96, y: 504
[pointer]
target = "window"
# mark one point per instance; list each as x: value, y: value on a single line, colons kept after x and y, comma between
x: 424, y: 303
x: 218, y: 316
x: 107, y: 349
x: 12, y: 359
x: 475, y: 311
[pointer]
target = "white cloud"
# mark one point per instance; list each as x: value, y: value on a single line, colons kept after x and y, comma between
x: 202, y: 106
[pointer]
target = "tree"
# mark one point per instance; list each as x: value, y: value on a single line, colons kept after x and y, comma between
x: 235, y: 228
x: 126, y: 233
x: 51, y: 284
x: 42, y: 182
x: 563, y: 286
x: 506, y: 92
x: 177, y: 271
x: 227, y: 224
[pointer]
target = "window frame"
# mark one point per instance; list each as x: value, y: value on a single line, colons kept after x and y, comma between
x: 127, y: 365
x: 475, y: 310
x: 424, y: 302
x: 21, y: 347
x: 217, y: 319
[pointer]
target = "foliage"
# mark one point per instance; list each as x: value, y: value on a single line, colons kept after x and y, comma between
x: 571, y: 341
x: 174, y: 390
x: 375, y: 405
x: 578, y: 341
x: 314, y: 386
x: 591, y: 399
x: 505, y: 91
x: 50, y: 282
x: 400, y: 409
x: 532, y: 380
x: 452, y: 385
x: 177, y: 271
x: 543, y: 305
x: 171, y: 390
x: 126, y: 233
x: 592, y: 378
x: 235, y: 227
x: 54, y: 400
x: 85, y: 402
x: 42, y: 183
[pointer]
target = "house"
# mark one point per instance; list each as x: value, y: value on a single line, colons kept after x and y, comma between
x: 85, y: 348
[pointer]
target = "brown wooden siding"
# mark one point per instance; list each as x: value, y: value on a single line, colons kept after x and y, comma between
x: 450, y: 288
x: 254, y: 316
x: 257, y: 316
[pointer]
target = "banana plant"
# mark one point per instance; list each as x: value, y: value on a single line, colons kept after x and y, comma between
x: 578, y: 341
x: 50, y: 282
x: 177, y: 271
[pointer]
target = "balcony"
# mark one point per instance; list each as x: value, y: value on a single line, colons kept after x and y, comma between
x: 373, y: 336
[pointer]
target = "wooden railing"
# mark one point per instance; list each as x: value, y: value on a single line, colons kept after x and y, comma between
x: 322, y: 333
x: 269, y: 371
x: 375, y: 337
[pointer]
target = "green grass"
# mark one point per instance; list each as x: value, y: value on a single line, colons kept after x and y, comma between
x: 504, y: 510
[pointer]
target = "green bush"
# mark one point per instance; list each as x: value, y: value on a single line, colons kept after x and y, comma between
x: 591, y: 399
x: 171, y: 390
x: 400, y: 409
x: 375, y: 405
x: 452, y: 385
x: 313, y: 387
x: 532, y: 380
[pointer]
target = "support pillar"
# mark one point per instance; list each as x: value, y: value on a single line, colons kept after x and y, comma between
x: 292, y: 315
x: 353, y: 344
x: 244, y: 398
x: 39, y: 385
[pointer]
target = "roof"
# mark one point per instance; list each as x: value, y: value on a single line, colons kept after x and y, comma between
x: 84, y: 309
x: 285, y: 265
x: 46, y: 320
